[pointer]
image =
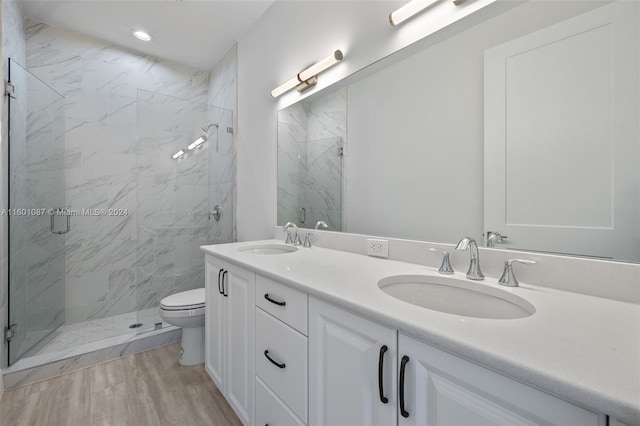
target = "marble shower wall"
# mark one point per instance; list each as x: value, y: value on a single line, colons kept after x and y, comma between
x: 292, y: 162
x: 174, y: 194
x: 100, y: 82
x: 13, y: 46
x: 223, y: 93
x: 311, y: 147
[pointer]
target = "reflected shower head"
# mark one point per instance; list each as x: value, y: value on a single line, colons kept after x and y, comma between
x: 207, y: 127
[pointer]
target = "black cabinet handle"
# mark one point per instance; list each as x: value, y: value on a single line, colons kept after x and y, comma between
x: 219, y: 280
x: 275, y: 302
x: 224, y: 292
x: 403, y: 366
x: 266, y: 353
x: 383, y: 398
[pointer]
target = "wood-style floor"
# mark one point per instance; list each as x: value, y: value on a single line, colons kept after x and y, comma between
x: 146, y: 389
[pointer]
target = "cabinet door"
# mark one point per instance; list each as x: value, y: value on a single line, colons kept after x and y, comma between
x: 344, y: 355
x: 215, y: 306
x: 240, y: 311
x: 442, y: 389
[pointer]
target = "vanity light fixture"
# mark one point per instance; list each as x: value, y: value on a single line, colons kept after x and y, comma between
x: 309, y: 76
x: 201, y: 139
x: 142, y: 35
x: 178, y: 154
x: 197, y: 143
x: 413, y: 8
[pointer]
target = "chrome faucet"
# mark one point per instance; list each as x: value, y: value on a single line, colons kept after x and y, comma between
x: 508, y: 278
x: 474, y: 272
x: 307, y: 240
x: 321, y: 223
x: 494, y: 237
x: 290, y: 239
x: 445, y: 267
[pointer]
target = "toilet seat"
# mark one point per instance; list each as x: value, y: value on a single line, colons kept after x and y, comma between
x: 184, y: 301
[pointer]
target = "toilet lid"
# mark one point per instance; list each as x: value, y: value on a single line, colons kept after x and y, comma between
x: 190, y: 299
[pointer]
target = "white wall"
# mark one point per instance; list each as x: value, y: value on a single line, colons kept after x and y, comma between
x: 289, y: 37
x: 419, y: 125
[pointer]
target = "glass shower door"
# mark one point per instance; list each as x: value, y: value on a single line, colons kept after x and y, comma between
x: 37, y: 220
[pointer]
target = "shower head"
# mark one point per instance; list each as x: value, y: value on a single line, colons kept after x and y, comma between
x: 207, y: 127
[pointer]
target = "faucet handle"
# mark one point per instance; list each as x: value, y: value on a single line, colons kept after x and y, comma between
x: 289, y: 240
x: 296, y: 240
x: 445, y: 268
x: 307, y: 240
x: 321, y: 223
x: 508, y: 278
x: 495, y: 237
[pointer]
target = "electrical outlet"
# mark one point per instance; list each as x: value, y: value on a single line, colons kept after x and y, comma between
x: 378, y: 248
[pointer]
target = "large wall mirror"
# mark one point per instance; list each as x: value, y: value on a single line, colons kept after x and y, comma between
x: 525, y: 125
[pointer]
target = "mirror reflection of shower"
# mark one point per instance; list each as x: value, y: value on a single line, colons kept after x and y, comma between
x: 197, y: 144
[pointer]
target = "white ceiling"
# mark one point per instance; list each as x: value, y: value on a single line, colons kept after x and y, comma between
x: 192, y: 32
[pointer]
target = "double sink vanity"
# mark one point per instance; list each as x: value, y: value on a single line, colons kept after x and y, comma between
x: 312, y: 335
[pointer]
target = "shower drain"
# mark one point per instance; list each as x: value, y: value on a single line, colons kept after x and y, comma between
x: 136, y: 325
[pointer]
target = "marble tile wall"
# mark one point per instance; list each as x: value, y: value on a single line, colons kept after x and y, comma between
x: 112, y: 266
x: 222, y: 93
x: 292, y: 162
x: 13, y: 46
x: 311, y: 139
x: 326, y: 133
x: 174, y: 195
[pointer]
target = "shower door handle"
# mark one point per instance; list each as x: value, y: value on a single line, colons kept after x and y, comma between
x: 53, y: 215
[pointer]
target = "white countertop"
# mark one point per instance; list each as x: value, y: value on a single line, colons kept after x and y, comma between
x: 581, y: 348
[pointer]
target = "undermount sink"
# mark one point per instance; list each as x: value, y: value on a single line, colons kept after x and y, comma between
x: 269, y: 249
x: 455, y: 296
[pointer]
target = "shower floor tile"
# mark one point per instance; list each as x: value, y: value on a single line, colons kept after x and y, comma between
x: 71, y: 335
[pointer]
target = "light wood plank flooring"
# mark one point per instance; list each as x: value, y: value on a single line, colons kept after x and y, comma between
x: 146, y: 389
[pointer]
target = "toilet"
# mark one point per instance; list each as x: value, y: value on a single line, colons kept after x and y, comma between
x: 186, y: 310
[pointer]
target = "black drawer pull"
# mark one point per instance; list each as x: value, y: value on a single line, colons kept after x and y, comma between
x: 220, y: 280
x: 224, y: 292
x: 403, y: 366
x: 383, y: 398
x: 275, y: 302
x: 266, y: 353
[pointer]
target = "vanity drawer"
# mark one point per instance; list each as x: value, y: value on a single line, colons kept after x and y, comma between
x: 270, y: 410
x: 286, y: 370
x: 271, y: 295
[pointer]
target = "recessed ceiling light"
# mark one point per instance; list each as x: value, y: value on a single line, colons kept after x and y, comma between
x: 142, y: 35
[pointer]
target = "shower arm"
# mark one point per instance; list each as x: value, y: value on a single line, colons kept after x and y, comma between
x: 207, y: 127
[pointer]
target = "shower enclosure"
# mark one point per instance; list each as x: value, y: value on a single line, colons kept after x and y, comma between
x: 105, y: 225
x: 37, y: 225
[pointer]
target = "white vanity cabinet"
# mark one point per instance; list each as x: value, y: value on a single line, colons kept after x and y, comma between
x: 437, y: 388
x: 229, y: 335
x: 352, y: 369
x: 424, y: 385
x: 281, y: 357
